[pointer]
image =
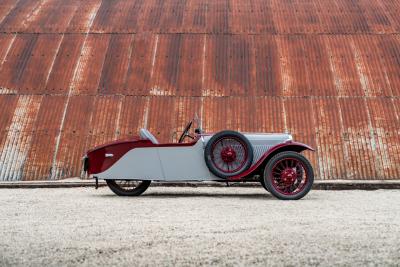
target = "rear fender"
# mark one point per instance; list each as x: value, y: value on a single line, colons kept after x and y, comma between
x: 260, y: 164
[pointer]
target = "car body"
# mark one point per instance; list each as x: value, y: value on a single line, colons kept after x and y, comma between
x: 142, y: 158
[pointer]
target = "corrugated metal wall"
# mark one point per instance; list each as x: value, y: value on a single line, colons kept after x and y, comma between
x: 74, y: 74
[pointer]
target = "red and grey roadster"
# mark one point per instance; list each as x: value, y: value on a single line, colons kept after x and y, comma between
x: 129, y: 166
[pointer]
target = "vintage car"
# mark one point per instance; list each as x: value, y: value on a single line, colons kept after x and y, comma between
x: 129, y: 166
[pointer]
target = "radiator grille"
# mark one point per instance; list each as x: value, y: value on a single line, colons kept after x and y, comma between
x: 259, y: 151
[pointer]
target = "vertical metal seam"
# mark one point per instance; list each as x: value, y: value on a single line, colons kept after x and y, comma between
x: 147, y: 104
x: 345, y: 149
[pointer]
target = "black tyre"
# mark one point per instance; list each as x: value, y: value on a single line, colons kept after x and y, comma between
x: 128, y: 187
x: 228, y: 153
x: 262, y: 183
x: 288, y: 176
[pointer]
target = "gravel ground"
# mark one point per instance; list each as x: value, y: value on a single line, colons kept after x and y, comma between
x: 198, y: 226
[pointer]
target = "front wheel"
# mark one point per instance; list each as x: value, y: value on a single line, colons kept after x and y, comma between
x: 288, y: 176
x: 128, y: 187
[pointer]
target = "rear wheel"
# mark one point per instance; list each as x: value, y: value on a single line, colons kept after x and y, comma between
x: 128, y: 187
x: 288, y: 176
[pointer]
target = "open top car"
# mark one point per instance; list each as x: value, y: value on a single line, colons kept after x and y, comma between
x: 129, y: 166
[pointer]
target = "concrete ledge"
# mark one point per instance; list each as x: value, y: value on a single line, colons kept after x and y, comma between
x: 318, y: 184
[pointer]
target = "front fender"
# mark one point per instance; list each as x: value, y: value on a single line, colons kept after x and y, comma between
x: 287, y: 146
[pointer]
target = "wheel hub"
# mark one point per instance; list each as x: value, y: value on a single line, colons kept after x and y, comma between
x: 288, y: 176
x: 228, y: 154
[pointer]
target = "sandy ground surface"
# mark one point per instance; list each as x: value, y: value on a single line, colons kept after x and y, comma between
x: 198, y: 226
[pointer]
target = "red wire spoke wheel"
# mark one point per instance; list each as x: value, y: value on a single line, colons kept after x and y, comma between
x: 288, y: 175
x: 228, y: 153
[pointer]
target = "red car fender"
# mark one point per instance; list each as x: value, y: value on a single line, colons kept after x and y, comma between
x: 287, y: 146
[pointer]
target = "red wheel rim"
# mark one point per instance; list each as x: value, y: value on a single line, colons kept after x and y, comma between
x: 289, y: 176
x: 229, y: 154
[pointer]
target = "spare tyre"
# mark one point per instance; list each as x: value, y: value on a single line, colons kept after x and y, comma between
x: 228, y: 153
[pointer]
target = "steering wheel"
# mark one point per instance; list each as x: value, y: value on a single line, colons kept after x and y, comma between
x: 186, y: 132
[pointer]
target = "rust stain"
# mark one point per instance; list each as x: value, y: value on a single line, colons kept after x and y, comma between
x: 74, y: 74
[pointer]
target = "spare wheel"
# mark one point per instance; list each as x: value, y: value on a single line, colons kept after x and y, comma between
x: 228, y: 153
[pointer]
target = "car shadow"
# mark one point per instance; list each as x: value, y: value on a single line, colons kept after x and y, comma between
x: 207, y: 195
x: 165, y: 195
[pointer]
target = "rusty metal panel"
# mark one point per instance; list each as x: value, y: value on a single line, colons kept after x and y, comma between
x: 132, y: 114
x: 152, y: 15
x: 308, y: 15
x: 330, y: 16
x: 221, y: 113
x: 343, y: 66
x: 8, y: 104
x: 18, y: 139
x: 269, y: 115
x: 194, y: 17
x: 73, y: 133
x: 377, y: 18
x: 116, y: 63
x: 141, y: 65
x: 166, y: 65
x: 216, y: 71
x: 239, y: 19
x: 388, y: 49
x: 109, y: 15
x: 90, y: 64
x: 172, y: 16
x: 300, y: 122
x: 362, y: 162
x: 284, y: 14
x: 16, y: 61
x: 386, y: 129
x: 353, y: 16
x: 131, y: 18
x: 329, y: 141
x: 392, y: 9
x: 262, y: 16
x: 6, y: 41
x: 28, y: 62
x: 83, y: 18
x: 21, y: 14
x: 62, y: 70
x: 38, y: 162
x: 293, y: 69
x: 217, y: 19
x: 190, y: 74
x: 104, y: 119
x: 370, y: 67
x: 59, y: 17
x: 241, y: 63
x: 50, y: 16
x: 319, y: 74
x: 159, y: 119
x: 229, y: 66
x: 267, y: 66
x: 37, y: 68
x: 221, y: 16
x: 6, y: 7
